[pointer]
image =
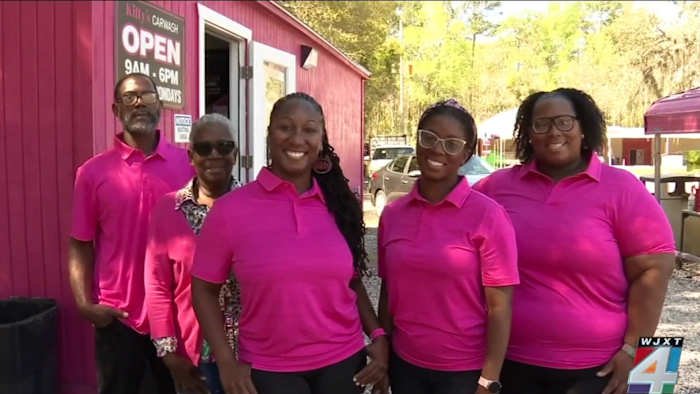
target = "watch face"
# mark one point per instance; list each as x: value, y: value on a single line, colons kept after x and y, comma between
x: 494, y: 387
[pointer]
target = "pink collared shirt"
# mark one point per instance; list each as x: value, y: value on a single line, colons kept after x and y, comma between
x: 112, y: 201
x: 171, y: 245
x: 436, y: 260
x: 294, y: 270
x: 570, y: 310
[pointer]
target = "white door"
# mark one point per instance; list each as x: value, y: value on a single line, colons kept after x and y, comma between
x: 274, y: 76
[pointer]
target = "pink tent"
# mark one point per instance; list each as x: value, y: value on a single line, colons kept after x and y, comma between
x: 675, y: 114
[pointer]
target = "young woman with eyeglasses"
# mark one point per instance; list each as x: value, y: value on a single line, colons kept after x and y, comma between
x: 595, y: 252
x: 294, y: 239
x: 447, y: 259
x: 175, y: 223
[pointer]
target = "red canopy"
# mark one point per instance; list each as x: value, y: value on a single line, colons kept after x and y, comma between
x: 675, y: 114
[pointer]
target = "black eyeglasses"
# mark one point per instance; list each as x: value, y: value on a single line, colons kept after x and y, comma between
x: 563, y: 123
x: 452, y: 146
x: 205, y: 148
x: 147, y: 98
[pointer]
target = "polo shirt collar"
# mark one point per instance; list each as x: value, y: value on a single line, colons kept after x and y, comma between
x: 592, y: 170
x: 187, y: 193
x: 270, y: 182
x: 457, y: 196
x: 126, y: 151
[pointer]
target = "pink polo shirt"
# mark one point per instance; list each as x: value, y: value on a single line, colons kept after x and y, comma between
x: 570, y: 310
x: 294, y: 270
x: 171, y: 246
x: 436, y: 260
x: 113, y: 197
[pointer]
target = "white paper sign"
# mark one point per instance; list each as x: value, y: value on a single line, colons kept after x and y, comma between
x: 183, y: 125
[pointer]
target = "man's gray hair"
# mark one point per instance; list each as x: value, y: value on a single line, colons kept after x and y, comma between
x: 213, y: 119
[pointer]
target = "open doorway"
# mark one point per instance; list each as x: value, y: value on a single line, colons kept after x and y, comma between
x: 222, y: 62
x: 217, y: 79
x: 224, y: 75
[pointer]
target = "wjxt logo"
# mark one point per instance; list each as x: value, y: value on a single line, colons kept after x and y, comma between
x: 656, y: 363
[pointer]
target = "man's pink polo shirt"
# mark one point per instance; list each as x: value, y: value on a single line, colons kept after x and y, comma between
x: 570, y: 310
x: 294, y: 270
x: 436, y: 260
x: 113, y: 196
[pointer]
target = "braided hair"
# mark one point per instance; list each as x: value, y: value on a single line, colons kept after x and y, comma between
x: 589, y: 116
x: 340, y: 200
x: 453, y: 109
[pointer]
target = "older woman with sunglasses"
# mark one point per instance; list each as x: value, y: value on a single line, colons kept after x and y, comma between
x: 595, y: 252
x: 175, y: 222
x: 447, y: 258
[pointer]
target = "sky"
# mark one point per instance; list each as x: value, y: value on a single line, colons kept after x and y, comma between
x: 665, y: 10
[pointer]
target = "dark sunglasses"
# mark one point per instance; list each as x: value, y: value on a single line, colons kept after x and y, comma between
x: 205, y: 148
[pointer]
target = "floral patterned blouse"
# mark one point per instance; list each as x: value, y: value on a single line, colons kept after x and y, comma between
x: 229, y: 296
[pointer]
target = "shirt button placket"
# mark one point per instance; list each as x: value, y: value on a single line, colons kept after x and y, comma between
x: 295, y: 214
x: 420, y: 223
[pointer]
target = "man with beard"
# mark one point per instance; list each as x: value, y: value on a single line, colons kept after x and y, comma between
x: 114, y: 194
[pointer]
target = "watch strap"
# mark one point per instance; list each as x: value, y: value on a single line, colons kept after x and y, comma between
x: 487, y: 384
x: 376, y: 333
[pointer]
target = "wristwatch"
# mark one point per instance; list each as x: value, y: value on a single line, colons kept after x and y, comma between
x: 493, y: 386
x: 629, y: 349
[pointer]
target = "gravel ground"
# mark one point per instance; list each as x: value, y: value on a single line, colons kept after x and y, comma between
x: 680, y: 316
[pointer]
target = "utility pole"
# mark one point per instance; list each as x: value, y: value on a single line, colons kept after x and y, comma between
x: 402, y: 115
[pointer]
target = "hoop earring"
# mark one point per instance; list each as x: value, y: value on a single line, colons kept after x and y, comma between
x: 322, y: 166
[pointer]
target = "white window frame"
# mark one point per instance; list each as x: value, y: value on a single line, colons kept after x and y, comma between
x: 261, y: 53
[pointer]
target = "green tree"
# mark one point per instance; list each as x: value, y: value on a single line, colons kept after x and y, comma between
x: 362, y: 30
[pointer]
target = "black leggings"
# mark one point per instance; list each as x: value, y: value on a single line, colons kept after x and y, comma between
x: 407, y: 378
x: 519, y: 378
x: 333, y: 379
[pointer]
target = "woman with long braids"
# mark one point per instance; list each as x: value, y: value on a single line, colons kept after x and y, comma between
x: 294, y: 240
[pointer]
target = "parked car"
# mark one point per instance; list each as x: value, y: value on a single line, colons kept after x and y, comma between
x: 382, y: 155
x: 398, y: 176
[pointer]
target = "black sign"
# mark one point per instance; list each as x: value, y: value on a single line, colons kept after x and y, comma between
x: 151, y: 41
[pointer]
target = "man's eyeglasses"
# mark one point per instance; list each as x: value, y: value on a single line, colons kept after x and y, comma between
x: 428, y: 140
x: 147, y: 98
x: 205, y: 148
x: 563, y: 123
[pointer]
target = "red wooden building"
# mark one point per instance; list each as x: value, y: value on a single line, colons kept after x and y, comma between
x: 58, y: 65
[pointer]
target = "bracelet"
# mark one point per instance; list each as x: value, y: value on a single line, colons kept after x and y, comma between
x: 165, y: 345
x: 629, y: 349
x: 376, y: 333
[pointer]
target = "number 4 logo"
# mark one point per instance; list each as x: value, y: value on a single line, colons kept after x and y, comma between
x: 659, y: 370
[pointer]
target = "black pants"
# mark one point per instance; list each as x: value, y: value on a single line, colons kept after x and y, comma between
x: 518, y: 378
x: 407, y: 378
x: 333, y: 379
x: 127, y: 362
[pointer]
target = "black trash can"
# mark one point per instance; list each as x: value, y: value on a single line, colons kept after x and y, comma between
x: 28, y: 349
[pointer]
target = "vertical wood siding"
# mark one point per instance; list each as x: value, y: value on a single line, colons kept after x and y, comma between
x: 56, y: 84
x: 45, y: 132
